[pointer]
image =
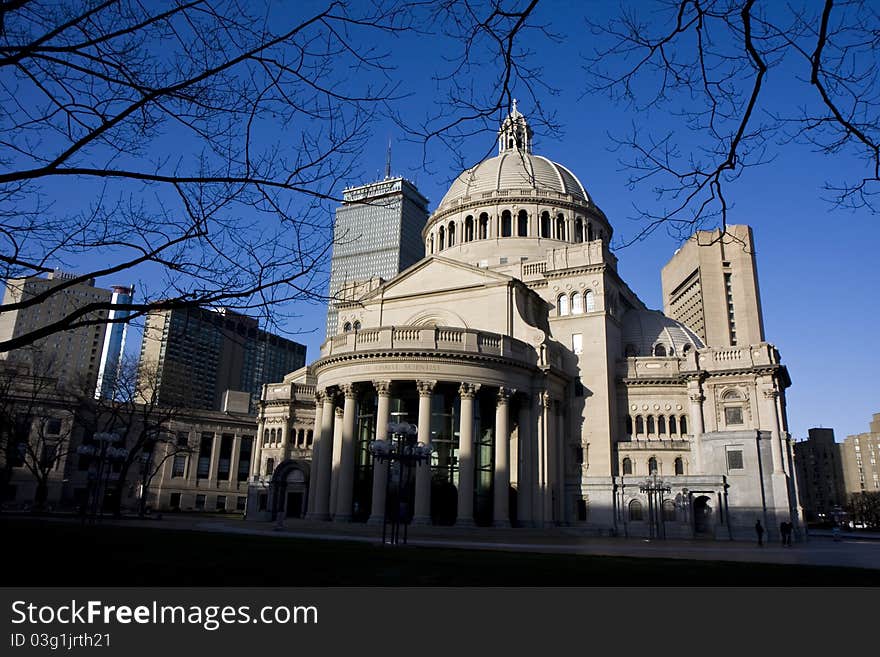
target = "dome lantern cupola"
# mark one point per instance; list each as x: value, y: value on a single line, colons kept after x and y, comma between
x: 515, y: 133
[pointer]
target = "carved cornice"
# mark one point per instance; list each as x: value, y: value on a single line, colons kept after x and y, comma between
x: 426, y: 388
x: 421, y: 356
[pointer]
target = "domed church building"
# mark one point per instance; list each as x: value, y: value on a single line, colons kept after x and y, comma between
x: 549, y: 394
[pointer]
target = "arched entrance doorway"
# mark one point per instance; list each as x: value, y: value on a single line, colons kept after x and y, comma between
x: 702, y: 516
x: 289, y: 489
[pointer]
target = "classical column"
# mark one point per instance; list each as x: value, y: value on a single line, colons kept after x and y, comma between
x: 695, y: 410
x: 380, y: 468
x: 321, y: 507
x: 346, y: 463
x: 215, y: 459
x: 256, y: 453
x: 467, y: 392
x: 422, y: 514
x: 233, y: 461
x: 526, y: 473
x: 336, y: 458
x: 316, y: 453
x: 770, y: 418
x: 550, y: 448
x: 501, y: 506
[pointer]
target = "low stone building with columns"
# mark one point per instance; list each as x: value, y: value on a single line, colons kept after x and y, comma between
x: 548, y: 392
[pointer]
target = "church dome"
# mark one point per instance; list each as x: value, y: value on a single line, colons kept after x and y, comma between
x: 651, y: 333
x: 515, y: 170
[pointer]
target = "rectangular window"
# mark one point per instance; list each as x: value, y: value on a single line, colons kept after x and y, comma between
x: 204, y: 466
x: 225, y: 460
x: 577, y: 343
x: 183, y: 438
x: 178, y: 468
x: 221, y: 503
x: 733, y: 415
x: 735, y: 459
x: 174, y: 502
x: 200, y: 502
x: 244, y: 458
x: 240, y: 503
x: 53, y: 427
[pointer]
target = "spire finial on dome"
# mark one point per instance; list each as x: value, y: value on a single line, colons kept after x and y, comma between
x: 515, y: 133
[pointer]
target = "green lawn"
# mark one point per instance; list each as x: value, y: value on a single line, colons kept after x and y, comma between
x: 56, y: 553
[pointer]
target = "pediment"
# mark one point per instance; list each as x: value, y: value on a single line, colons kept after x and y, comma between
x: 436, y: 275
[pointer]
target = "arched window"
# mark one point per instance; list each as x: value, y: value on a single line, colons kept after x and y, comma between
x: 442, y: 238
x: 272, y: 437
x: 683, y: 425
x: 679, y: 466
x: 451, y: 234
x: 562, y: 305
x: 560, y: 227
x: 686, y: 349
x: 635, y: 511
x: 522, y: 223
x: 672, y: 424
x: 652, y: 466
x: 640, y: 425
x: 589, y: 301
x: 483, y: 232
x: 627, y: 466
x: 468, y: 228
x: 629, y: 425
x: 578, y: 230
x: 661, y: 425
x: 265, y: 436
x: 577, y: 304
x: 430, y: 244
x: 545, y: 224
x: 270, y: 466
x: 650, y: 424
x: 589, y: 232
x: 357, y: 326
x: 309, y: 438
x: 346, y: 327
x: 300, y: 438
x: 659, y: 350
x: 506, y: 224
x: 668, y: 510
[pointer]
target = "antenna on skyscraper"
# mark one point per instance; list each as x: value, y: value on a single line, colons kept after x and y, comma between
x: 388, y: 161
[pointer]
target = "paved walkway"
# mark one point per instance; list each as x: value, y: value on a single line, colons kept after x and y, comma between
x: 819, y: 550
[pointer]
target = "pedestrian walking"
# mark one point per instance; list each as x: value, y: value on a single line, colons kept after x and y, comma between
x: 759, y: 530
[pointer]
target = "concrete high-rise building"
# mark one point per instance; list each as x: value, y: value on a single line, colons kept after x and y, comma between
x: 199, y: 358
x: 378, y: 233
x: 114, y: 343
x: 861, y: 473
x: 73, y: 356
x: 819, y: 474
x: 711, y: 286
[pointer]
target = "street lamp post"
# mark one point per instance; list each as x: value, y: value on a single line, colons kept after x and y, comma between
x: 654, y: 487
x: 402, y: 450
x: 102, y: 454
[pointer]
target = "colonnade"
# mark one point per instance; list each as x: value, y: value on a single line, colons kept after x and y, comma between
x: 538, y: 467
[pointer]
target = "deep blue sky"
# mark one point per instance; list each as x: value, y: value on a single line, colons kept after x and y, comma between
x: 817, y: 267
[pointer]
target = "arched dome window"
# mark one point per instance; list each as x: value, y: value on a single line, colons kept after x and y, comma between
x: 672, y: 425
x: 357, y: 326
x: 468, y: 228
x: 627, y: 466
x: 659, y: 350
x: 679, y: 466
x: 652, y: 466
x: 522, y: 223
x: 578, y: 230
x: 562, y: 305
x: 589, y: 301
x: 451, y: 234
x: 545, y: 224
x: 506, y: 224
x: 346, y: 327
x: 577, y: 304
x: 441, y: 236
x: 431, y: 244
x: 483, y: 232
x: 635, y: 511
x: 560, y: 227
x: 589, y: 232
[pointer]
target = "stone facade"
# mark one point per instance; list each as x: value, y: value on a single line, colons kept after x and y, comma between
x: 550, y: 394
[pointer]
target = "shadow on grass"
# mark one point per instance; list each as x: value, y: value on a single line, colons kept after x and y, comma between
x: 66, y: 554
